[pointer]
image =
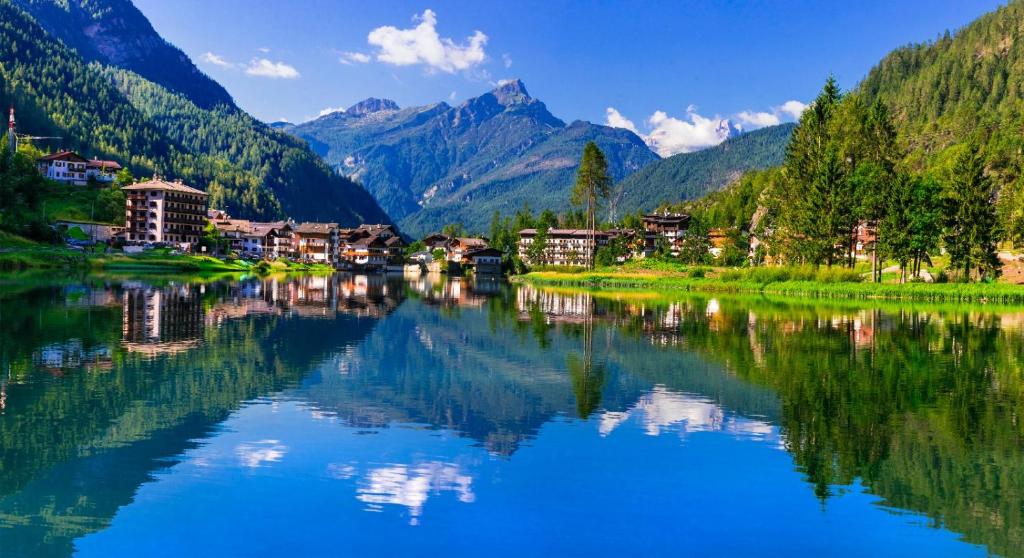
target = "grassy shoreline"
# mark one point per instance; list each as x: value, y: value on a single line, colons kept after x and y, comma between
x: 1001, y: 293
x: 42, y: 257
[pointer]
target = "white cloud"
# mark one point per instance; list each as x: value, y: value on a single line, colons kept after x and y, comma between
x: 792, y: 108
x: 412, y: 485
x: 451, y: 96
x: 264, y: 50
x: 258, y: 454
x: 423, y: 45
x: 330, y: 110
x: 758, y: 119
x: 216, y: 60
x: 668, y: 135
x: 506, y: 60
x: 261, y: 67
x: 350, y: 58
x: 615, y: 119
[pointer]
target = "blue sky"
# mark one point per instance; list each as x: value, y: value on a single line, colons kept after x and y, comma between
x: 668, y: 68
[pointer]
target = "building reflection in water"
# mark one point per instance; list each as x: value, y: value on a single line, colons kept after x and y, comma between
x: 162, y: 320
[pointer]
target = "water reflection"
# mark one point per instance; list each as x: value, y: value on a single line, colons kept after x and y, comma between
x: 107, y: 386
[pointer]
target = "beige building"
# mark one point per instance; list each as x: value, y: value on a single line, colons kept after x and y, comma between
x: 161, y: 211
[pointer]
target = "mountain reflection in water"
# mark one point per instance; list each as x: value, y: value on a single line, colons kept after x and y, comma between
x: 112, y: 389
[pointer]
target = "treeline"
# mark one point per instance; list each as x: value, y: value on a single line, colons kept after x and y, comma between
x: 846, y: 172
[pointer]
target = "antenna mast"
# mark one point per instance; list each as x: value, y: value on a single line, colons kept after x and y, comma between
x: 12, y: 137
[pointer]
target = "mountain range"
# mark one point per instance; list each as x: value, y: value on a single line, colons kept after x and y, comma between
x: 97, y: 75
x: 438, y: 164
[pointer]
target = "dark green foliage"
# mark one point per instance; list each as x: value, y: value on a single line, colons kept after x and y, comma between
x: 967, y: 86
x: 106, y: 111
x: 689, y: 176
x: 695, y: 247
x: 970, y: 216
x: 22, y: 192
x: 593, y: 185
x: 115, y: 32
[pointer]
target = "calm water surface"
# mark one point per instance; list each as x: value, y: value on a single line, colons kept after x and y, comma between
x: 357, y: 416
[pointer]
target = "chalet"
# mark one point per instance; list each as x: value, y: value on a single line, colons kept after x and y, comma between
x: 64, y: 166
x: 368, y: 252
x: 458, y: 248
x: 316, y: 242
x: 436, y: 241
x: 670, y: 226
x: 485, y: 261
x: 234, y: 230
x: 161, y: 211
x: 101, y: 171
x: 570, y: 247
x: 261, y: 239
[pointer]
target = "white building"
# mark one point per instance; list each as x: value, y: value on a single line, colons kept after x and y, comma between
x: 64, y: 166
x: 570, y: 247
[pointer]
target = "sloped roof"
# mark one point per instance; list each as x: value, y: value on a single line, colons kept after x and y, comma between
x: 97, y: 163
x: 315, y: 228
x: 63, y: 156
x: 471, y: 242
x: 157, y: 184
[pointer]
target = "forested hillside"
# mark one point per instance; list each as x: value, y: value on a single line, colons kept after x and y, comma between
x: 101, y: 109
x: 966, y: 85
x: 689, y: 176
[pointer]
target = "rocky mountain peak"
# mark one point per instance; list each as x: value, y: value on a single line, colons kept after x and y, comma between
x: 371, y: 105
x: 511, y: 92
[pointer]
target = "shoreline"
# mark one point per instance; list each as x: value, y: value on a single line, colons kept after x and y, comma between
x: 51, y: 258
x: 999, y: 293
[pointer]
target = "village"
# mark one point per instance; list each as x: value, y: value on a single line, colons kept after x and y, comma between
x: 164, y: 213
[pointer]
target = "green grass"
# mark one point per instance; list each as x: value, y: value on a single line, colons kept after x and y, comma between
x: 8, y: 240
x: 793, y: 282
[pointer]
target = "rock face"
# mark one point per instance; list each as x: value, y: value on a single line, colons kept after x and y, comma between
x: 371, y: 105
x: 437, y: 164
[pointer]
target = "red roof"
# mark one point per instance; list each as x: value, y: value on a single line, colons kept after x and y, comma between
x: 63, y: 156
x: 112, y: 165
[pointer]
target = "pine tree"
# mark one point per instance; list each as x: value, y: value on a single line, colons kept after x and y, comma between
x: 593, y: 184
x: 970, y: 216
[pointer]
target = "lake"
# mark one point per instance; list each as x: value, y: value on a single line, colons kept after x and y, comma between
x: 364, y: 416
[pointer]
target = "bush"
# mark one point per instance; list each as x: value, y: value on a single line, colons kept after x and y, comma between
x: 778, y: 274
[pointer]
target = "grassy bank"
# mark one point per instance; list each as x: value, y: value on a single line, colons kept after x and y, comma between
x: 780, y: 281
x: 18, y: 254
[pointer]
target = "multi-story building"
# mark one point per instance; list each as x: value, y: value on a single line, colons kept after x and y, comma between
x: 670, y: 226
x: 572, y: 247
x: 64, y: 166
x: 316, y: 242
x: 161, y: 211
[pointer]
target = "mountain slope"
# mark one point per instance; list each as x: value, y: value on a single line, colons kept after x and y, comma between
x: 438, y: 164
x: 102, y: 109
x: 969, y: 84
x: 115, y: 33
x: 689, y: 176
